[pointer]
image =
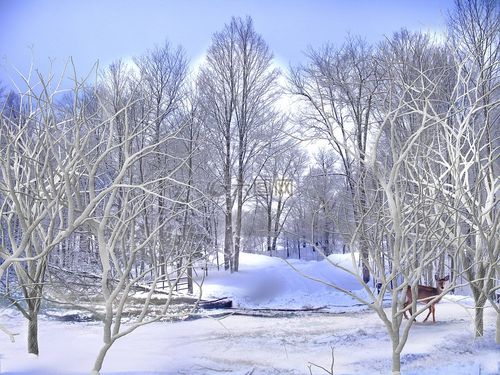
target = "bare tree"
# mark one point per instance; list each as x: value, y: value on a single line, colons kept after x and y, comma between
x: 124, y: 232
x: 411, y: 192
x: 40, y: 201
x: 147, y: 211
x: 399, y: 222
x: 80, y: 166
x: 237, y: 84
x: 162, y: 81
x: 283, y: 165
x: 473, y: 145
x: 337, y: 89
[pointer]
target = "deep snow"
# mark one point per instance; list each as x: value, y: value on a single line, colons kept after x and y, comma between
x: 283, y: 345
x: 273, y: 283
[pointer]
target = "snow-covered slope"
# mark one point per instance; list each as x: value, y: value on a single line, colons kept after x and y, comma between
x: 263, y: 281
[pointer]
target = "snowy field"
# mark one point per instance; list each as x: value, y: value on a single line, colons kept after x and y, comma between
x: 257, y: 345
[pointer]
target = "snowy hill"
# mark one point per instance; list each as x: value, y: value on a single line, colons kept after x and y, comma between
x: 263, y: 281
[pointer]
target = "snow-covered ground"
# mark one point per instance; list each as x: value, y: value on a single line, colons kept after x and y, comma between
x: 256, y: 345
x: 273, y: 283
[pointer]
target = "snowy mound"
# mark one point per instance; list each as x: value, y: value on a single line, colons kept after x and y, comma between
x: 275, y: 283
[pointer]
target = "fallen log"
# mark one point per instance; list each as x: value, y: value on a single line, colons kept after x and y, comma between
x: 216, y: 304
x: 74, y: 318
x: 287, y: 310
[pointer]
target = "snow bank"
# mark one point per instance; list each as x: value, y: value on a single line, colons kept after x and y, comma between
x: 263, y: 281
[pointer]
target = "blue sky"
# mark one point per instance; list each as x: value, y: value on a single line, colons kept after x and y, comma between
x: 111, y: 29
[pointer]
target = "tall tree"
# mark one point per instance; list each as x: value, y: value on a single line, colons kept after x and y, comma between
x: 474, y: 27
x: 283, y: 166
x: 338, y: 87
x: 162, y: 81
x: 237, y: 85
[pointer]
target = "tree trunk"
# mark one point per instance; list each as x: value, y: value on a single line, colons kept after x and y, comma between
x: 34, y: 300
x: 100, y: 359
x: 441, y: 261
x: 190, y: 278
x: 275, y: 244
x: 228, y: 230
x: 325, y: 245
x: 497, y: 338
x: 33, y: 333
x: 366, y: 270
x: 237, y: 239
x: 216, y: 241
x: 276, y: 230
x: 269, y: 227
x: 364, y: 247
x: 479, y: 318
x: 358, y: 220
x: 396, y: 363
x: 479, y: 302
x: 228, y: 238
x: 396, y: 357
x: 365, y: 256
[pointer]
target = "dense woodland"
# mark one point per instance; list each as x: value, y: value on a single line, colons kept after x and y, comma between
x: 149, y: 171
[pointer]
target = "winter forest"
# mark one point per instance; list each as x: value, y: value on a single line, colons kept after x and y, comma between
x: 334, y: 216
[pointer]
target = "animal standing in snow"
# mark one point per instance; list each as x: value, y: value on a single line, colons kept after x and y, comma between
x: 425, y: 294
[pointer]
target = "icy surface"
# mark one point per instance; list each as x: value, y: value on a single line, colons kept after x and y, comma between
x: 282, y: 345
